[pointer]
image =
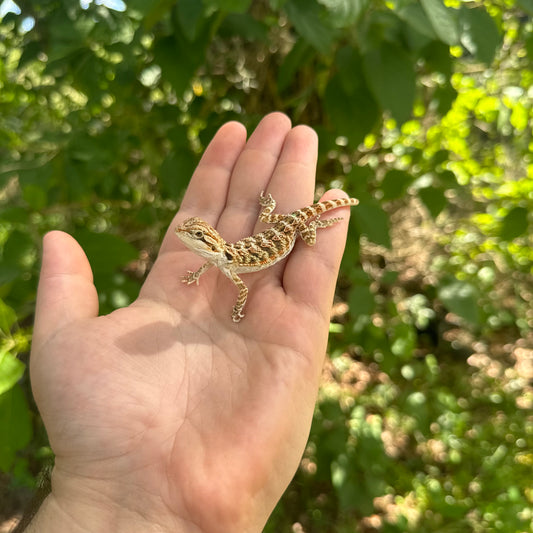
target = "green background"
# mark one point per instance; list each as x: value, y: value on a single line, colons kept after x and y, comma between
x: 424, y: 112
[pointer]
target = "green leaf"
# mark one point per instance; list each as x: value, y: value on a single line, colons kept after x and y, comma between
x: 347, y: 490
x: 390, y: 74
x: 350, y: 69
x: 526, y: 5
x: 8, y: 273
x: 348, y: 101
x: 301, y: 53
x: 480, y: 35
x: 67, y: 35
x: 15, y: 415
x: 380, y: 26
x: 106, y: 252
x: 372, y: 221
x: 442, y: 20
x: 352, y: 115
x: 176, y: 171
x: 437, y: 58
x: 305, y: 17
x: 243, y: 25
x: 18, y: 215
x: 416, y: 17
x: 361, y: 300
x: 19, y: 250
x: 434, y: 199
x: 30, y: 53
x: 514, y: 224
x: 178, y: 56
x: 443, y: 98
x: 34, y: 196
x: 152, y: 11
x: 344, y: 13
x: 189, y: 15
x: 460, y: 297
x: 176, y: 67
x: 231, y: 6
x: 403, y: 341
x: 11, y: 370
x: 446, y: 177
x: 395, y: 183
x: 35, y: 184
x: 7, y: 318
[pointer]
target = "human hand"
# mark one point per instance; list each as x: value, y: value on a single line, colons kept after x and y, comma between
x: 166, y: 415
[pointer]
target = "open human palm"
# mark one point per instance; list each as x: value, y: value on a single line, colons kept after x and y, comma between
x: 166, y: 415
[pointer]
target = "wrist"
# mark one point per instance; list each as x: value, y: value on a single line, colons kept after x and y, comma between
x: 89, y: 510
x: 89, y: 505
x: 54, y: 517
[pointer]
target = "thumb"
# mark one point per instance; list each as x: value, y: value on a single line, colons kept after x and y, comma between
x: 66, y: 292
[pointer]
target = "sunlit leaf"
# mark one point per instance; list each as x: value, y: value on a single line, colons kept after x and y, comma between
x: 8, y: 317
x: 11, y: 370
x: 520, y: 116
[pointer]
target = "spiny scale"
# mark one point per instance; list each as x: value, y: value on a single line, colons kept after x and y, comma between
x: 260, y: 250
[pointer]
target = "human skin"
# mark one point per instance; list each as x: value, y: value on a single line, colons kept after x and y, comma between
x: 166, y: 416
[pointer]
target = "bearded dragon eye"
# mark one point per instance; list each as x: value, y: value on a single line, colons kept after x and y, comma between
x: 198, y: 234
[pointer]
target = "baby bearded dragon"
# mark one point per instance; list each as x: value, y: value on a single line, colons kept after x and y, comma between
x: 259, y: 251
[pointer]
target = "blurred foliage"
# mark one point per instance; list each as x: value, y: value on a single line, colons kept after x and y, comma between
x: 424, y: 112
